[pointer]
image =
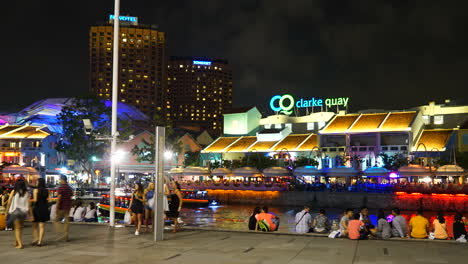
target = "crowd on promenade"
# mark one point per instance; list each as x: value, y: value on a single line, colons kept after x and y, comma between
x: 356, y: 225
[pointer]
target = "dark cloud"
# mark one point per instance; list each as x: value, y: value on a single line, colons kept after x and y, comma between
x: 382, y: 53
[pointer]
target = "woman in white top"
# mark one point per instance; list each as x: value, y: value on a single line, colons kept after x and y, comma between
x: 78, y: 211
x: 18, y: 208
x: 90, y: 215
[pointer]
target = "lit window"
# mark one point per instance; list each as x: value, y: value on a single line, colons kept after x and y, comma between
x: 438, y: 120
x: 278, y: 126
x: 181, y: 66
x: 123, y: 100
x: 124, y: 40
x: 268, y: 126
x: 122, y: 90
x: 321, y: 124
x: 310, y: 126
x: 426, y: 119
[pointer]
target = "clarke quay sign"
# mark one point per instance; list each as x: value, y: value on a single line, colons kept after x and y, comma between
x: 285, y: 103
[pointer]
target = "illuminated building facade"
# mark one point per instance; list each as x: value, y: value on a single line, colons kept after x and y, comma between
x: 199, y: 92
x: 142, y: 71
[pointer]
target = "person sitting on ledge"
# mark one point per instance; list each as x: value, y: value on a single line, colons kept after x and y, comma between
x: 252, y: 219
x: 459, y: 227
x: 303, y: 220
x: 398, y: 224
x: 355, y: 228
x: 321, y: 223
x: 265, y: 220
x: 419, y: 226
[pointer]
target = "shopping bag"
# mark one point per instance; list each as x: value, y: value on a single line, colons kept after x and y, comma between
x: 127, y: 218
x: 334, y: 234
x: 431, y: 236
x: 461, y: 239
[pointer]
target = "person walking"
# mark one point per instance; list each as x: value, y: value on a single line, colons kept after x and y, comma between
x: 398, y: 224
x: 18, y: 208
x: 149, y: 203
x: 419, y: 226
x: 303, y: 220
x: 4, y: 197
x: 40, y: 212
x: 440, y: 227
x: 136, y: 206
x: 64, y: 203
x: 175, y: 205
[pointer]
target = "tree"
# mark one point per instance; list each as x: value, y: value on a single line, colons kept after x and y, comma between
x: 304, y: 161
x: 80, y: 146
x: 394, y: 162
x: 192, y: 158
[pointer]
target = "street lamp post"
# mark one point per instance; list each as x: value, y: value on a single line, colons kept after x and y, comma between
x: 115, y: 83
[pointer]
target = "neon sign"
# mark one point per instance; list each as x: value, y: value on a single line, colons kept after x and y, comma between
x: 197, y: 62
x: 124, y: 18
x: 286, y: 107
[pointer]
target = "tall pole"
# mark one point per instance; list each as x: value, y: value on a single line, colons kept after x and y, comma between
x: 115, y: 83
x: 159, y: 182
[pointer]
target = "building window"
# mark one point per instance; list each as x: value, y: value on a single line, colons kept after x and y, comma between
x: 426, y: 120
x: 267, y: 126
x: 438, y: 120
x: 310, y: 126
x: 278, y: 126
x: 288, y: 125
x: 12, y: 144
x: 321, y: 124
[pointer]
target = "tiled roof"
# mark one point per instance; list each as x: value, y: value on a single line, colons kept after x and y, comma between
x: 220, y: 144
x: 291, y: 142
x: 262, y: 145
x: 434, y: 139
x: 242, y: 144
x: 398, y: 121
x: 340, y: 124
x: 309, y: 144
x: 368, y: 122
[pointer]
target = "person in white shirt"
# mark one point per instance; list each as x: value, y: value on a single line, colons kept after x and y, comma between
x: 77, y: 212
x: 18, y: 209
x: 90, y: 215
x: 303, y: 220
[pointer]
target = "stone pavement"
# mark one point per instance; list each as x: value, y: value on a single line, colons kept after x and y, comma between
x: 99, y: 244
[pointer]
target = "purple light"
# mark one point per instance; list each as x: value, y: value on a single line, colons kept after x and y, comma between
x: 394, y: 175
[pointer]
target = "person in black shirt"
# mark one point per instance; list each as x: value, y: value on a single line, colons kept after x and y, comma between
x: 458, y: 227
x: 252, y: 219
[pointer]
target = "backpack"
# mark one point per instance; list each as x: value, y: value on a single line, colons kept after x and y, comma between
x: 263, y: 226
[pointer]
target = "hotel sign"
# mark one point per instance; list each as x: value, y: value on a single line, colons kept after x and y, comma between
x: 285, y: 103
x: 133, y: 20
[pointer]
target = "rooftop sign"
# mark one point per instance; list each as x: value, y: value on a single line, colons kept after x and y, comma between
x: 286, y: 103
x: 197, y: 62
x: 125, y: 19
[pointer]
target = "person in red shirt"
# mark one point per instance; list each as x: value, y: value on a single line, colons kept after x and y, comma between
x: 355, y: 226
x: 269, y: 218
x: 64, y: 204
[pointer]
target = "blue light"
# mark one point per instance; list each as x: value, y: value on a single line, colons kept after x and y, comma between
x: 272, y: 103
x: 124, y: 18
x: 196, y: 62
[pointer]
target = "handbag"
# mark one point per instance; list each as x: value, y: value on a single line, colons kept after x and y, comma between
x: 127, y: 218
x: 150, y: 203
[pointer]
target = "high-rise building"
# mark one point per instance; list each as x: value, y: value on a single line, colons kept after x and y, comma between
x: 142, y: 64
x: 199, y: 91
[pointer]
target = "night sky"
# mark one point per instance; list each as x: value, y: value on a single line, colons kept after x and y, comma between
x: 382, y: 54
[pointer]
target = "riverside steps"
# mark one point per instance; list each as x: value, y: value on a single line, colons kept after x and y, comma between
x: 94, y: 243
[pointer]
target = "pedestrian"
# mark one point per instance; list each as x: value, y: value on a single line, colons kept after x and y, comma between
x: 265, y: 220
x: 78, y: 211
x: 348, y: 215
x: 136, y: 206
x: 64, y: 203
x: 383, y: 231
x: 398, y: 224
x: 175, y: 205
x: 40, y: 212
x: 303, y: 220
x: 321, y: 223
x: 18, y: 209
x: 149, y: 203
x: 440, y: 227
x: 91, y: 213
x: 355, y: 227
x: 419, y: 226
x: 4, y: 197
x: 252, y: 219
x: 459, y: 227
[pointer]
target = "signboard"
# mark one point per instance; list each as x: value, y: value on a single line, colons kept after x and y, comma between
x: 129, y: 19
x: 197, y: 62
x: 285, y: 103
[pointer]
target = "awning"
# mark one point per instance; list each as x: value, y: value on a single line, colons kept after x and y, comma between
x: 450, y: 170
x: 414, y: 171
x: 376, y: 172
x: 276, y: 172
x: 195, y: 171
x: 246, y: 172
x: 307, y: 171
x: 342, y: 171
x: 221, y: 172
x: 16, y: 169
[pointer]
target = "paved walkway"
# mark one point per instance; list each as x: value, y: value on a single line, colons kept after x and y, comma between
x: 99, y: 244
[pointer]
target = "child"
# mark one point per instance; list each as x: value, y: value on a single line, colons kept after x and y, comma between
x: 355, y: 226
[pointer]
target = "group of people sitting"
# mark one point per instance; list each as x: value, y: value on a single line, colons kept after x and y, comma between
x: 262, y: 220
x: 79, y: 213
x: 357, y: 225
